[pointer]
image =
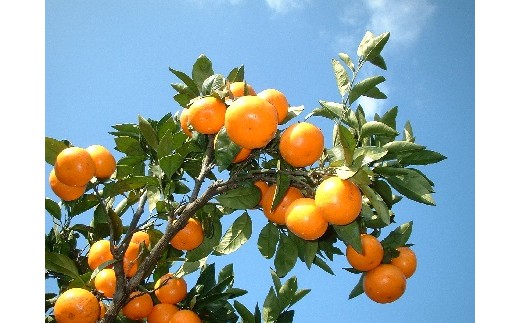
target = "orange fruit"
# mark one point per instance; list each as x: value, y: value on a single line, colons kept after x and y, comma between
x: 131, y: 259
x: 242, y: 155
x: 251, y: 122
x: 99, y: 253
x: 278, y: 214
x: 74, y: 166
x: 183, y: 118
x: 104, y: 161
x: 206, y: 115
x: 278, y: 100
x: 263, y: 186
x: 141, y: 236
x: 185, y: 316
x: 65, y: 192
x: 103, y: 310
x: 105, y: 282
x: 384, y: 284
x: 189, y: 237
x: 239, y: 89
x: 173, y: 289
x: 339, y: 200
x: 371, y: 253
x: 139, y: 306
x: 303, y: 219
x: 76, y: 305
x: 406, y: 261
x: 301, y: 144
x: 162, y: 313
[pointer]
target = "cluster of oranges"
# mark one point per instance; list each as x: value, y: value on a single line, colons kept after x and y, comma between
x: 81, y: 305
x: 76, y: 166
x: 382, y: 282
x: 337, y: 201
x: 251, y: 121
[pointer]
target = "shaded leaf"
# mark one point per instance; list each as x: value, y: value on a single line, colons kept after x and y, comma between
x: 240, y: 198
x: 376, y: 128
x: 408, y: 182
x: 202, y: 69
x: 53, y: 208
x: 148, y: 132
x: 364, y: 87
x: 286, y: 256
x: 377, y: 203
x: 52, y: 148
x: 350, y: 234
x: 398, y: 237
x: 237, y: 234
x: 214, y: 84
x: 358, y: 289
x: 61, y: 264
x: 245, y: 314
x: 268, y: 239
x: 423, y: 157
x: 225, y: 150
x: 128, y: 184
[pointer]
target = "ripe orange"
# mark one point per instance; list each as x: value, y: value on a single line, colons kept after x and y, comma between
x: 384, y: 284
x: 173, y: 291
x: 339, y: 200
x: 206, y: 115
x: 183, y: 118
x: 76, y: 305
x: 251, y: 122
x: 74, y: 166
x: 105, y: 282
x: 278, y: 214
x: 263, y: 186
x: 304, y: 220
x: 185, y: 316
x: 139, y: 307
x: 162, y: 313
x: 104, y: 161
x: 189, y: 237
x: 131, y: 259
x: 277, y: 99
x: 141, y: 236
x: 301, y: 144
x: 371, y: 253
x: 242, y: 155
x: 239, y: 88
x: 99, y: 253
x: 65, y: 192
x: 406, y: 261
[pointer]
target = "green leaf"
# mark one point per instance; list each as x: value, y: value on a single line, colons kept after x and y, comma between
x: 408, y: 182
x: 52, y: 148
x: 347, y: 60
x: 287, y: 292
x: 323, y: 265
x: 378, y: 61
x: 225, y: 150
x: 245, y: 314
x: 375, y: 93
x: 369, y: 154
x: 350, y: 234
x: 408, y: 132
x: 170, y: 164
x: 342, y: 78
x: 384, y: 190
x: 358, y: 289
x: 189, y: 267
x: 148, y: 133
x: 292, y: 113
x: 398, y: 146
x: 271, y: 309
x: 84, y: 203
x: 329, y: 110
x: 237, y: 234
x: 236, y: 74
x: 129, y: 146
x: 202, y: 69
x: 377, y: 203
x: 364, y: 87
x: 423, y: 157
x: 286, y: 317
x: 128, y: 184
x: 192, y: 86
x: 268, y: 239
x: 307, y: 249
x: 209, y: 243
x: 372, y: 128
x: 61, y: 264
x: 370, y: 47
x: 347, y: 141
x: 214, y: 84
x: 53, y: 208
x: 398, y: 237
x: 299, y: 295
x: 286, y: 256
x: 282, y: 185
x: 276, y: 281
x: 241, y: 198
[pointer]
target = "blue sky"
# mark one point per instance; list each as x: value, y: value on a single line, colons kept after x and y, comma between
x: 107, y: 63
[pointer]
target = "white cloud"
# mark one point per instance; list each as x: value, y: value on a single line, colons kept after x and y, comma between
x: 283, y: 6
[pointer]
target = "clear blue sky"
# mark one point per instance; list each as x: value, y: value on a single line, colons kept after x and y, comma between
x: 107, y: 63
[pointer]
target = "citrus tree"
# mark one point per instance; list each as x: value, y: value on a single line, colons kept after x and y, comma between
x: 155, y: 214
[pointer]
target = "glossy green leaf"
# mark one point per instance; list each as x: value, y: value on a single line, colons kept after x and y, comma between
x: 276, y: 281
x: 377, y: 203
x: 52, y: 148
x: 237, y: 234
x: 170, y: 164
x: 286, y: 256
x: 245, y: 314
x: 214, y: 84
x: 364, y: 87
x: 225, y: 150
x: 282, y: 185
x: 271, y: 308
x: 375, y: 93
x: 329, y: 110
x: 53, y: 208
x: 307, y: 249
x: 148, y: 132
x: 268, y: 240
x: 61, y: 264
x: 202, y: 69
x: 398, y: 237
x: 300, y: 293
x: 408, y: 182
x: 236, y: 74
x: 399, y: 146
x: 287, y: 292
x: 423, y: 157
x: 369, y: 154
x: 385, y: 191
x: 342, y: 78
x: 129, y: 146
x: 83, y: 204
x: 241, y: 198
x: 350, y: 234
x: 347, y: 141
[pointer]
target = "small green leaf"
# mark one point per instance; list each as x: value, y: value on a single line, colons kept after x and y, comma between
x: 329, y: 110
x: 377, y: 203
x: 347, y: 141
x: 350, y: 234
x: 245, y: 314
x: 276, y: 281
x: 368, y: 154
x: 286, y: 256
x: 61, y: 264
x: 398, y: 237
x: 202, y: 69
x: 358, y: 289
x: 395, y: 147
x: 408, y: 182
x: 271, y: 309
x: 237, y: 234
x: 170, y: 164
x: 268, y: 239
x: 241, y: 198
x: 148, y: 133
x: 285, y: 317
x: 408, y: 132
x: 378, y: 61
x: 129, y: 146
x: 52, y: 148
x: 364, y: 87
x: 287, y: 291
x: 225, y: 150
x: 214, y: 84
x: 372, y: 128
x: 423, y: 157
x: 299, y: 295
x: 236, y: 74
x: 342, y: 78
x: 192, y: 86
x: 292, y: 113
x: 370, y: 47
x: 347, y: 60
x: 128, y: 184
x: 282, y: 185
x: 53, y: 208
x: 375, y: 93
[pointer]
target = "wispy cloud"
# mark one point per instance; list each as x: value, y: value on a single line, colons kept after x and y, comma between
x: 283, y: 6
